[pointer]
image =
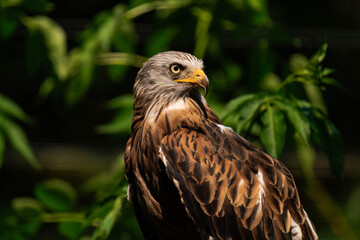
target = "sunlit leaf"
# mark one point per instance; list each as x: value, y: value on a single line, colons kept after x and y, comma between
x: 327, y: 71
x: 55, y: 40
x: 271, y: 82
x: 126, y: 59
x: 273, y: 131
x: 24, y: 221
x: 146, y: 7
x: 204, y: 18
x: 56, y: 195
x: 257, y: 5
x: 18, y: 140
x: 27, y: 208
x: 320, y: 55
x: 10, y: 3
x: 9, y: 107
x: 297, y: 62
x: 74, y: 61
x: 98, y: 40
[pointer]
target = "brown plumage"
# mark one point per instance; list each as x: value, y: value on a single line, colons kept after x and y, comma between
x: 190, y: 177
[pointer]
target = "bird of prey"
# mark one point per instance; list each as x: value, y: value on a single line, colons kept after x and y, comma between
x: 191, y: 177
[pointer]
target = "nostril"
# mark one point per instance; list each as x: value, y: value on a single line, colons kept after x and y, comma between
x: 198, y: 76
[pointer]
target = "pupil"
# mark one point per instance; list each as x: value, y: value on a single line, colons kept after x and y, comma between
x: 176, y: 68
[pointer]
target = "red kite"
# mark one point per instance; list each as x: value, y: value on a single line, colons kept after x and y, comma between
x: 191, y: 177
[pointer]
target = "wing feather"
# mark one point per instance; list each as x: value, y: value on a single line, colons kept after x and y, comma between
x: 222, y: 178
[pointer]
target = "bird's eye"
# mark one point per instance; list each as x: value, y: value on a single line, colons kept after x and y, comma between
x: 175, y: 68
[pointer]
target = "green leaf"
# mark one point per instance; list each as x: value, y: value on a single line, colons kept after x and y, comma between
x: 121, y: 123
x: 8, y: 22
x: 242, y: 112
x: 124, y: 37
x: 297, y: 62
x: 235, y: 104
x: 204, y: 19
x: 46, y: 87
x: 55, y: 41
x: 327, y: 71
x: 257, y: 5
x: 18, y: 140
x: 71, y: 230
x: 2, y: 147
x: 98, y: 211
x: 78, y: 85
x: 273, y: 131
x: 333, y: 82
x: 56, y: 195
x: 124, y: 59
x: 146, y: 7
x: 320, y: 55
x: 107, y: 181
x: 98, y: 40
x: 9, y: 107
x: 247, y: 114
x: 296, y: 118
x: 106, y: 225
x: 124, y: 100
x: 330, y: 141
x: 27, y: 208
x: 31, y: 227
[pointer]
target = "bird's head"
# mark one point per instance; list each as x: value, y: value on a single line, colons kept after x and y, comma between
x: 170, y: 75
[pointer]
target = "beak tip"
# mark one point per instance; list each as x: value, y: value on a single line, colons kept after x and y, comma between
x: 206, y: 91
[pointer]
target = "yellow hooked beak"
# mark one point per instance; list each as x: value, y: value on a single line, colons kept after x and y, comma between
x: 198, y: 79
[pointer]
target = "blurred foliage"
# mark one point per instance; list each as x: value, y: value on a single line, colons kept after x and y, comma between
x: 55, y: 201
x: 275, y: 115
x: 11, y: 131
x: 256, y: 99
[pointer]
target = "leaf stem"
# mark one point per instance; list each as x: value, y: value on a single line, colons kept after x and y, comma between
x: 62, y: 217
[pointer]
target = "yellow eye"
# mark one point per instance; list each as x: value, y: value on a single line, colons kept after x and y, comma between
x: 175, y: 68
